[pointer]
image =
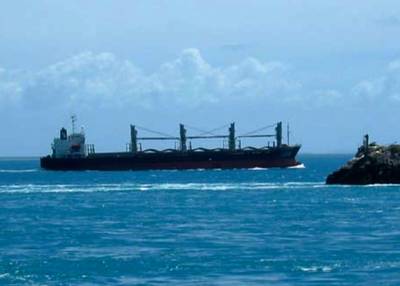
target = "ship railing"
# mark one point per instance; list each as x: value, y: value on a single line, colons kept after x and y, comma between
x: 202, y: 149
x: 89, y: 149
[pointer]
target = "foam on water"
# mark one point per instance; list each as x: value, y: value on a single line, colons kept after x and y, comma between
x: 316, y: 269
x: 236, y: 227
x: 68, y: 188
x: 300, y: 166
x: 124, y: 187
x: 18, y: 171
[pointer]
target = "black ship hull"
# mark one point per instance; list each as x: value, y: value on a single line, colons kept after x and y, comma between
x: 280, y: 157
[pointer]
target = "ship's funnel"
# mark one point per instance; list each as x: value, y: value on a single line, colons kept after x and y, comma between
x: 63, y: 134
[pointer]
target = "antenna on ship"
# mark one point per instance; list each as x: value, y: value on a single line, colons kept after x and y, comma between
x: 73, y: 120
x: 288, y: 134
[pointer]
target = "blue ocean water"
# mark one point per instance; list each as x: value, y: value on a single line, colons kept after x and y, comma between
x: 196, y: 227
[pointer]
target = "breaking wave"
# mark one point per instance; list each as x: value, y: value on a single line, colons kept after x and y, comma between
x: 18, y: 171
x: 300, y: 166
x: 258, y: 169
x: 70, y: 188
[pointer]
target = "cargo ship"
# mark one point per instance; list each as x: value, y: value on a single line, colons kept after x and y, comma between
x: 70, y: 152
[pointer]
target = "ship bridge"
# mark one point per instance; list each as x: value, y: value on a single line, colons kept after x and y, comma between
x: 72, y: 145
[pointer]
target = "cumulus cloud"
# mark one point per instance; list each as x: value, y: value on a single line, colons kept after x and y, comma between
x: 10, y: 88
x: 90, y: 79
x: 327, y: 97
x: 189, y: 79
x: 383, y: 89
x: 87, y: 79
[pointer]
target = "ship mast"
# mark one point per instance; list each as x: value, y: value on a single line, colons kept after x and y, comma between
x: 73, y: 121
x: 133, y: 139
x: 232, y: 137
x: 182, y: 137
x: 278, y: 134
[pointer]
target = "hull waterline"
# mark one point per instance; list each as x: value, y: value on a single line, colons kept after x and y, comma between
x: 275, y: 157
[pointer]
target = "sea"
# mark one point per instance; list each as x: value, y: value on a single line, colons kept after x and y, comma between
x: 196, y: 227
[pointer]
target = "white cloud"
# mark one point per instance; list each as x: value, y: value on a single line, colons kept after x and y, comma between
x: 327, y: 97
x: 369, y: 89
x: 189, y: 79
x: 10, y: 89
x: 89, y: 79
x: 383, y: 89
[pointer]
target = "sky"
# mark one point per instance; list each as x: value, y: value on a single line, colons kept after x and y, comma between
x: 329, y: 68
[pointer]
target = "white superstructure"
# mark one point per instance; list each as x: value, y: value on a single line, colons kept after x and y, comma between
x: 69, y: 145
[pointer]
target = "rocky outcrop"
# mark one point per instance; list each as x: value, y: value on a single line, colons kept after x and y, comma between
x: 372, y: 164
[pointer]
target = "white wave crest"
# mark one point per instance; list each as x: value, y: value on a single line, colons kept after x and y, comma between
x: 380, y: 185
x: 87, y: 188
x: 300, y: 166
x: 18, y: 171
x: 316, y: 269
x: 4, y: 275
